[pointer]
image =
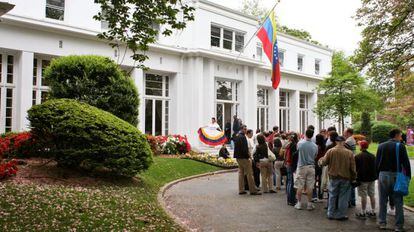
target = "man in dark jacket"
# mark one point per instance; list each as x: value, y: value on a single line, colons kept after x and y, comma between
x: 236, y: 125
x: 242, y: 155
x: 366, y: 176
x: 386, y: 163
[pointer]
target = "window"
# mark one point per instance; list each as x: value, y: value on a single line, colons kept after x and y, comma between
x: 225, y: 90
x: 55, y: 9
x: 157, y: 105
x: 259, y: 51
x: 239, y: 42
x: 7, y: 93
x: 317, y: 66
x: 262, y: 109
x: 215, y: 36
x: 226, y: 38
x: 40, y: 85
x: 303, y: 112
x: 281, y: 58
x: 284, y: 110
x: 300, y: 63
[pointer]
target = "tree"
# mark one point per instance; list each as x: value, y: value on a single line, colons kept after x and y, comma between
x: 97, y: 81
x: 341, y: 90
x: 366, y: 125
x: 299, y: 33
x: 254, y: 8
x: 135, y: 23
x: 386, y: 50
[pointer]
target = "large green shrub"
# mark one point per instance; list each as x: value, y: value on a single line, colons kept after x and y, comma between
x: 82, y: 136
x: 380, y: 131
x: 366, y: 125
x: 97, y: 81
x: 357, y: 127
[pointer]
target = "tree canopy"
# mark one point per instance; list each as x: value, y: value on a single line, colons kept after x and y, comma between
x: 136, y: 23
x: 344, y: 92
x: 386, y: 50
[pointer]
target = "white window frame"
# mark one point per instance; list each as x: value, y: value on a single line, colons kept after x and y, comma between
x: 39, y: 88
x: 284, y: 123
x: 55, y: 7
x: 282, y: 58
x: 4, y: 86
x: 232, y: 40
x: 263, y: 109
x: 166, y: 103
x: 300, y: 65
x: 317, y: 64
x: 303, y: 112
x: 259, y: 51
x: 234, y: 97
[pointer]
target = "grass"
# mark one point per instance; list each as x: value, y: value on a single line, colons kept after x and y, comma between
x: 374, y: 146
x: 105, y: 207
x: 409, y: 200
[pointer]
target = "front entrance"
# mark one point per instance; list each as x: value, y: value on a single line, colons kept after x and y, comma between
x: 224, y: 114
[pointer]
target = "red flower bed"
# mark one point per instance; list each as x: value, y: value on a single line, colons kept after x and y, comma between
x: 12, y: 145
x: 8, y: 169
x: 171, y: 144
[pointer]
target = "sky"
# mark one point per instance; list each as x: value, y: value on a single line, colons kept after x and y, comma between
x: 329, y: 21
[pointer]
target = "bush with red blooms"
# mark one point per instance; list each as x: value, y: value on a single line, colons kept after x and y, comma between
x: 171, y: 144
x: 16, y: 144
x: 8, y: 169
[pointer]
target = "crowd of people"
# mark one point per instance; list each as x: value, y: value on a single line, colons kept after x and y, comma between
x: 322, y: 165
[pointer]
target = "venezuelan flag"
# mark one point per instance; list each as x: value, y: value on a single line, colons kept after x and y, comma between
x: 267, y: 34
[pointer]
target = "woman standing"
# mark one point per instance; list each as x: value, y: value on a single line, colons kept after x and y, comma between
x: 291, y: 163
x: 261, y: 157
x: 320, y: 142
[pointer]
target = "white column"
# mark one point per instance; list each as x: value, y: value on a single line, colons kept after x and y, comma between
x: 177, y: 110
x: 139, y: 80
x: 274, y: 107
x: 248, y: 98
x: 209, y: 90
x: 24, y: 88
x: 295, y: 124
x: 313, y: 117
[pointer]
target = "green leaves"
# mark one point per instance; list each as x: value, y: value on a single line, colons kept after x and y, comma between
x: 137, y: 23
x: 386, y: 50
x: 97, y: 81
x: 82, y: 136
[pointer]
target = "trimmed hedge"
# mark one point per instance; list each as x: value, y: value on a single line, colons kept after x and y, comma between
x: 95, y: 80
x: 381, y: 130
x: 82, y: 136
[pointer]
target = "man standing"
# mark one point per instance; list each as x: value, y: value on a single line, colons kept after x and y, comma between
x: 386, y: 164
x: 270, y: 139
x: 341, y: 171
x: 306, y: 169
x: 236, y: 125
x: 241, y: 153
x: 366, y: 175
x: 350, y: 143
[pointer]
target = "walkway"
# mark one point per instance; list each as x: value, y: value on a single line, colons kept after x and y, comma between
x: 212, y: 204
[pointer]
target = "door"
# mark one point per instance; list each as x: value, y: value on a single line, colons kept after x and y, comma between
x: 153, y: 116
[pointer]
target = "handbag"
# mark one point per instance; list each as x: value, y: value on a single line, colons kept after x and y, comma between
x: 271, y: 156
x: 402, y: 182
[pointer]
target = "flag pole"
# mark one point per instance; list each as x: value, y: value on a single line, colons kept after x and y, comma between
x: 267, y: 16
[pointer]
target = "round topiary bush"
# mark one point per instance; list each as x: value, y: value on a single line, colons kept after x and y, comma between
x: 95, y: 80
x: 357, y: 127
x: 381, y: 130
x: 78, y: 135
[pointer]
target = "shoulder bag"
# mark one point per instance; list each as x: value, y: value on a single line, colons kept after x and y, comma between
x: 402, y: 182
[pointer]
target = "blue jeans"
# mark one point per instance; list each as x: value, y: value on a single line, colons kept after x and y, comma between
x: 386, y: 183
x: 290, y: 190
x: 339, y: 191
x: 352, y: 200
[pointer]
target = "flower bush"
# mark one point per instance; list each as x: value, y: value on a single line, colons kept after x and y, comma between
x: 170, y: 145
x: 16, y: 144
x: 213, y: 160
x: 8, y: 169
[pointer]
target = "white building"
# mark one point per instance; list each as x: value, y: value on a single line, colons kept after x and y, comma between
x: 193, y: 75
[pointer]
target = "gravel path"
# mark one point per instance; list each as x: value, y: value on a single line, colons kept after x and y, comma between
x: 211, y: 203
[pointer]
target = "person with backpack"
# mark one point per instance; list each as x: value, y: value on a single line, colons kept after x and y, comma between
x: 261, y: 156
x: 391, y: 159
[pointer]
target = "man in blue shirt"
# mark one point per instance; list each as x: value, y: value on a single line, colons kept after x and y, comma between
x: 386, y: 164
x: 306, y: 169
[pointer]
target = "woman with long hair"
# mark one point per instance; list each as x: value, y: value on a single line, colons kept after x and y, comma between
x: 291, y: 163
x: 261, y: 157
x: 320, y: 142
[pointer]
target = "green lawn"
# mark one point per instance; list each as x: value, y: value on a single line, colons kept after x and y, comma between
x: 409, y: 200
x: 105, y: 207
x: 373, y: 149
